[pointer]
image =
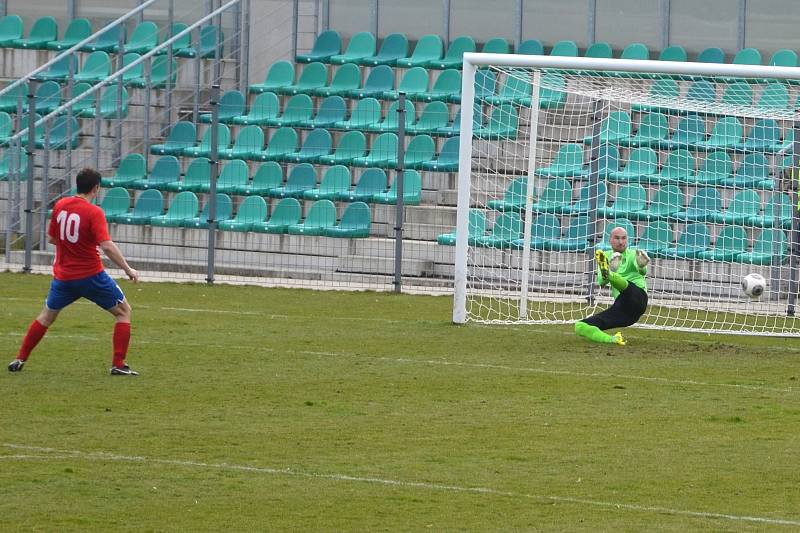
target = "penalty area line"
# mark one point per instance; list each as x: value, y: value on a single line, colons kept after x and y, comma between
x: 51, y: 454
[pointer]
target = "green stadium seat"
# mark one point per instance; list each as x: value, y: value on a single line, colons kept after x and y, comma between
x: 371, y: 182
x: 318, y: 143
x: 485, y: 85
x: 361, y: 46
x: 662, y: 90
x: 753, y: 172
x: 615, y: 127
x: 502, y: 124
x: 143, y: 39
x: 515, y: 90
x: 476, y: 222
x: 346, y: 79
x: 657, y: 236
x: 336, y: 180
x: 182, y: 44
x: 301, y: 178
x: 59, y: 71
x: 545, y: 229
x: 184, y: 207
x: 711, y: 55
x: 747, y: 56
x: 287, y: 213
x: 690, y: 131
x: 774, y: 97
x: 764, y: 136
x: 770, y: 248
x: 212, y: 41
x: 314, y: 76
x: 96, y: 68
x: 505, y: 233
x: 8, y: 166
x: 555, y: 196
x: 532, y: 47
x: 642, y: 166
x: 158, y: 74
x: 729, y: 244
x: 576, y: 238
x: 43, y: 32
x: 133, y: 167
x: 366, y: 113
x: 197, y: 178
x: 166, y: 170
x: 448, y: 158
x: 667, y: 202
x: 6, y: 128
x: 282, y: 143
x: 392, y: 120
x: 565, y: 49
x: 673, y: 53
x: 394, y: 47
x: 135, y: 73
x: 297, y: 112
x: 86, y: 102
x: 429, y: 48
x: 636, y: 51
x: 382, y: 154
x: 379, y: 81
x: 783, y: 58
x: 777, y: 213
x: 233, y: 177
x: 446, y: 88
x: 412, y: 190
x: 701, y: 93
x: 107, y: 40
x: 182, y: 135
x: 252, y: 212
x: 739, y: 93
x: 224, y: 211
x: 268, y: 176
x: 149, y: 204
x: 204, y: 148
x: 717, y: 167
x: 11, y: 28
x: 77, y: 31
x: 631, y: 199
x: 496, y: 45
x: 248, y: 144
x: 601, y: 50
x: 653, y: 131
x: 109, y: 104
x: 332, y: 110
x: 58, y: 134
x: 726, y: 135
x: 597, y: 194
x: 327, y: 45
x: 320, y: 216
x: 624, y: 223
x: 47, y: 98
x: 355, y: 223
x: 415, y: 82
x: 421, y: 148
x: 263, y: 111
x: 352, y: 145
x: 705, y: 206
x: 553, y: 95
x: 279, y: 76
x: 454, y: 57
x: 745, y: 206
x: 117, y: 201
x: 513, y: 198
x: 231, y: 104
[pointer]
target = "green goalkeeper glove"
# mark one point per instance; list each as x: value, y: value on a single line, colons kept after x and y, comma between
x: 642, y: 259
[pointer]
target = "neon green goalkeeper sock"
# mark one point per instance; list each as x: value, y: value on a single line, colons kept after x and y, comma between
x: 593, y: 333
x: 617, y: 281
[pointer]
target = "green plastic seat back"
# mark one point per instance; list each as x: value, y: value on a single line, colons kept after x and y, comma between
x: 224, y: 208
x: 318, y: 142
x: 569, y: 155
x: 754, y: 166
x: 134, y: 166
x: 58, y: 133
x: 503, y: 118
x: 11, y: 27
x: 352, y: 144
x: 711, y: 55
x: 301, y: 178
x: 598, y: 192
x: 298, y: 108
x: 313, y: 75
x: 336, y: 179
x: 477, y: 222
x: 77, y: 31
x: 657, y: 235
x: 420, y: 148
x: 223, y: 137
x: 673, y: 53
x: 356, y: 215
x: 508, y: 226
x: 61, y: 67
x: 265, y: 106
x: 635, y: 51
x: 87, y: 102
x: 98, y: 64
x: 288, y: 211
x: 485, y: 83
x: 111, y: 36
x: 415, y: 80
x: 117, y: 201
x: 367, y: 110
x: 160, y: 70
x: 718, y: 164
x: 449, y: 81
x: 428, y: 47
x: 212, y: 41
x: 332, y: 109
x: 702, y: 91
x: 653, y: 126
x: 435, y: 115
x: 322, y: 214
x: 739, y: 93
x: 783, y: 58
x: 551, y: 93
x: 565, y: 48
x: 579, y: 228
x: 631, y: 197
x: 284, y: 140
x: 664, y: 88
x: 668, y: 199
x: 110, y: 98
x: 532, y: 47
x: 385, y: 144
x: 48, y: 95
x: 166, y: 169
x: 450, y: 150
x: 281, y: 73
x: 690, y: 130
x: 765, y: 131
x: 458, y: 47
x: 394, y: 45
x: 381, y: 78
x: 600, y: 50
x: 707, y: 199
x: 557, y: 191
x: 45, y: 29
x: 747, y: 56
x: 775, y: 96
x: 515, y: 87
x: 412, y: 184
x: 184, y: 205
x: 771, y: 241
x: 361, y: 44
x: 616, y: 125
x: 234, y: 174
x: 372, y: 181
x: 268, y: 176
x: 517, y: 191
x: 328, y: 43
x: 11, y: 97
x: 182, y: 134
x: 778, y: 204
x: 137, y: 71
x: 253, y: 209
x: 232, y: 104
x: 145, y: 35
x: 198, y: 172
x: 392, y: 120
x: 149, y: 204
x: 746, y: 202
x: 623, y: 223
x: 696, y: 235
x: 6, y: 125
x: 347, y: 76
x: 496, y: 45
x: 183, y: 42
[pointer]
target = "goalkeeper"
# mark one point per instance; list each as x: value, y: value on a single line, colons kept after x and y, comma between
x: 628, y: 286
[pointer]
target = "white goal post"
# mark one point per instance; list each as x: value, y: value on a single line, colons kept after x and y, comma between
x: 695, y: 160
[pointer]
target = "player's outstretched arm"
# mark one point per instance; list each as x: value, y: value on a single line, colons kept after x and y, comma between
x: 642, y: 260
x: 113, y: 252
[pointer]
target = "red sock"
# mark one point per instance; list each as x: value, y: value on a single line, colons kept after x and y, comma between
x: 122, y: 337
x: 32, y: 338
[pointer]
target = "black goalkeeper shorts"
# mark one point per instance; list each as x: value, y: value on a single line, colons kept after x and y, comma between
x: 628, y: 308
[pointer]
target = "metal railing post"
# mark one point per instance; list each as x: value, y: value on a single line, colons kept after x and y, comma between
x: 31, y: 153
x: 212, y: 195
x: 446, y: 21
x: 97, y: 128
x: 72, y: 12
x: 245, y: 82
x: 196, y: 107
x: 218, y: 52
x: 45, y: 187
x: 794, y: 232
x: 118, y: 132
x: 400, y: 176
x: 295, y: 26
x: 236, y: 44
x: 70, y: 95
x: 170, y: 58
x: 148, y: 83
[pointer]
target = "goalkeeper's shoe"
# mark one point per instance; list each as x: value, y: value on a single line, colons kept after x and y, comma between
x: 16, y: 365
x: 617, y: 338
x: 124, y: 370
x: 602, y: 264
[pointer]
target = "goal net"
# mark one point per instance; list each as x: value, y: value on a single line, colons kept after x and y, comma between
x: 695, y: 161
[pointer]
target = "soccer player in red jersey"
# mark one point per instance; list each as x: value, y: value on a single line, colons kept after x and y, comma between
x: 78, y: 228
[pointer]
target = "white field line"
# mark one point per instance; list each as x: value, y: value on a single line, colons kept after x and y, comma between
x: 51, y: 454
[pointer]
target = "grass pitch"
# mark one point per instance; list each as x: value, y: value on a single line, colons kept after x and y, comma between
x: 293, y: 410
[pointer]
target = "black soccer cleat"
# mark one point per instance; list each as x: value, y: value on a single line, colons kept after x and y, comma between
x: 123, y: 371
x: 16, y: 365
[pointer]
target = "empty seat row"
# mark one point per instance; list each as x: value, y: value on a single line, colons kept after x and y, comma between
x: 98, y: 67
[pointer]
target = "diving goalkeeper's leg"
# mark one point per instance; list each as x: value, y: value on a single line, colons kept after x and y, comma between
x: 595, y: 334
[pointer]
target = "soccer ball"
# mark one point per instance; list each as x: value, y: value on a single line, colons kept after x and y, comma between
x: 753, y: 285
x: 615, y: 261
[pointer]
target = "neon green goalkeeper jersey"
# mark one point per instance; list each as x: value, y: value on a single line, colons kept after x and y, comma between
x: 629, y: 270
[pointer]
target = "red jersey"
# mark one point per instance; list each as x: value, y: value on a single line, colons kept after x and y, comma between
x: 77, y: 227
